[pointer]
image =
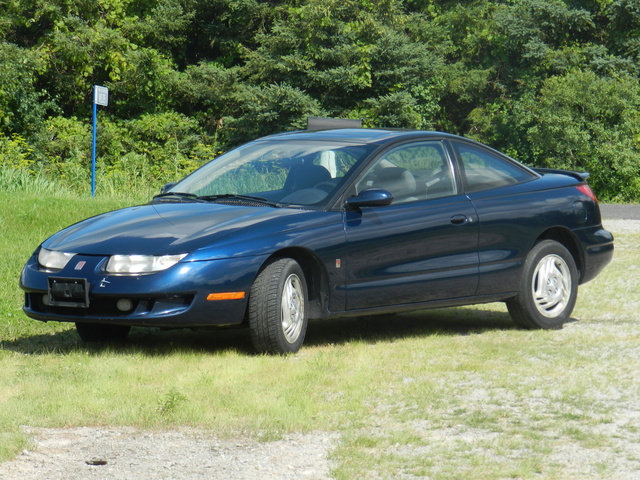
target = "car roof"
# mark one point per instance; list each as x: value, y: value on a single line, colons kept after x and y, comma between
x: 359, y: 135
x: 380, y: 137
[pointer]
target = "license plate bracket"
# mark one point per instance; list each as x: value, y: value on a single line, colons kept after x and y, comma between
x: 68, y: 292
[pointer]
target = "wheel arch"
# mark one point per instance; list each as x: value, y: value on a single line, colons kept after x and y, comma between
x: 315, y: 274
x: 566, y: 238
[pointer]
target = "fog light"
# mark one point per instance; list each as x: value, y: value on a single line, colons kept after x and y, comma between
x: 124, y: 305
x: 45, y: 299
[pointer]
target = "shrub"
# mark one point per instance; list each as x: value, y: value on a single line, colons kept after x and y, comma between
x: 586, y: 122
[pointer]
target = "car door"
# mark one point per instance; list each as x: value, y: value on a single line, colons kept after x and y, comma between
x: 422, y: 247
x: 509, y: 214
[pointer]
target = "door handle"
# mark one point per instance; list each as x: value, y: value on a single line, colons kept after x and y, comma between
x: 459, y: 219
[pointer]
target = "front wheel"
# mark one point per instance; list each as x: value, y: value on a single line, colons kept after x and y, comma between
x: 278, y: 308
x: 548, y: 288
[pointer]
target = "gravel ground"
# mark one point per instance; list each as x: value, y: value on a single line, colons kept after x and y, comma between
x: 626, y: 212
x: 124, y: 453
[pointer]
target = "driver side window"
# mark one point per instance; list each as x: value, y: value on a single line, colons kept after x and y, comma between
x: 418, y: 171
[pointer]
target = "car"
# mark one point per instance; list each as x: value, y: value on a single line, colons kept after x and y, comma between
x: 329, y: 223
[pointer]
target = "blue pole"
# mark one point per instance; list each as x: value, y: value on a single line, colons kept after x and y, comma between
x: 93, y: 149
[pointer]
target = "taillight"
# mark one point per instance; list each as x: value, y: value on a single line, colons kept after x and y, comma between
x: 586, y: 189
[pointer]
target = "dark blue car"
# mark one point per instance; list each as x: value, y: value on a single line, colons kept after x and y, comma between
x: 318, y: 224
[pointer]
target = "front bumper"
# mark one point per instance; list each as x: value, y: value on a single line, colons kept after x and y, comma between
x: 176, y: 297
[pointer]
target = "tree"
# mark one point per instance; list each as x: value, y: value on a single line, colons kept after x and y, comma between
x: 624, y: 29
x: 266, y: 110
x: 585, y: 122
x: 219, y: 72
x: 348, y: 55
x: 22, y: 105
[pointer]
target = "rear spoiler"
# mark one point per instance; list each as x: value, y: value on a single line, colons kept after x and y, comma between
x: 582, y: 176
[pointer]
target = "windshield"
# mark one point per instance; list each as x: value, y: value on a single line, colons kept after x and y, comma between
x: 279, y: 171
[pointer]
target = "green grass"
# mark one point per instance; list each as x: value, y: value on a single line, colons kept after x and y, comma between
x: 447, y: 394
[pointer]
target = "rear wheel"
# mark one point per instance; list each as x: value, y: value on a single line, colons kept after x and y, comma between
x: 278, y: 308
x: 102, y: 332
x: 548, y: 287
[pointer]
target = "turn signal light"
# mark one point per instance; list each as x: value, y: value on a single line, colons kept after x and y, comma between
x: 226, y: 296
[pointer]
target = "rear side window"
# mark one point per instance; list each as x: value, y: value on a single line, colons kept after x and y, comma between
x: 483, y: 170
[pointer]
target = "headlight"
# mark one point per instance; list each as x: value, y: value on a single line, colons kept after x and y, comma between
x: 142, y: 263
x: 53, y: 260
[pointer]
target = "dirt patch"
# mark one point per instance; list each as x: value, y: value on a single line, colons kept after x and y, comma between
x: 126, y: 453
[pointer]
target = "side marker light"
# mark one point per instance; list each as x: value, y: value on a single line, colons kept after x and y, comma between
x: 226, y: 296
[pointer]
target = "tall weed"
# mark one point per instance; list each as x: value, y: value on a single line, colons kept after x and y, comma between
x: 15, y: 180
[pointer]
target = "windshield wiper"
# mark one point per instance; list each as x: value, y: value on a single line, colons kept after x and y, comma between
x: 192, y: 197
x: 181, y: 195
x: 246, y: 198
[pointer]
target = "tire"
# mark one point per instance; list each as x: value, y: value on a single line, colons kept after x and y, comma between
x: 548, y: 288
x: 102, y: 332
x: 278, y: 308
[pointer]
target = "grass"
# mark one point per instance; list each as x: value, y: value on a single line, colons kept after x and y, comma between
x: 456, y: 394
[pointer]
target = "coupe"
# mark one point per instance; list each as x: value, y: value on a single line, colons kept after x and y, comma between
x: 327, y: 223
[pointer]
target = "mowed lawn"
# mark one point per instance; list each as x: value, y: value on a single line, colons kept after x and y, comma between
x: 443, y: 394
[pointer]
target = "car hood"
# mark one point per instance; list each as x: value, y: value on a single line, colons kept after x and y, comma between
x: 172, y: 228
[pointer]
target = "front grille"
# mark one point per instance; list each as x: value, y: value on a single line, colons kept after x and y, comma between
x: 98, y: 306
x: 107, y: 306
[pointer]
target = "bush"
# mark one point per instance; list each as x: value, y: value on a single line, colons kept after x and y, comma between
x: 22, y: 105
x: 15, y: 152
x: 585, y: 122
x: 135, y: 155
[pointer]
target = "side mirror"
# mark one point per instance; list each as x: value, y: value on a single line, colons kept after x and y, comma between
x: 166, y: 187
x: 371, y: 197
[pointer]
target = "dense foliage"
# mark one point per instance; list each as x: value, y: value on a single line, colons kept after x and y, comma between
x: 553, y: 83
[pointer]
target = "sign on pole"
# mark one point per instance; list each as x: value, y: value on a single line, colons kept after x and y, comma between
x: 100, y: 97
